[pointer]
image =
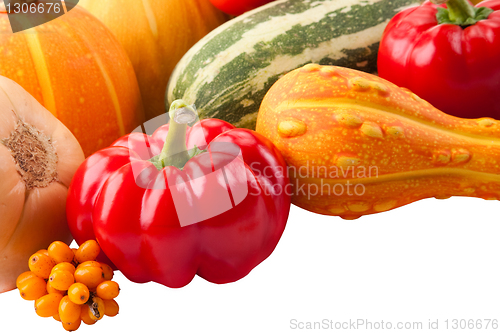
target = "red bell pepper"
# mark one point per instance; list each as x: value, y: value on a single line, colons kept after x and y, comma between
x: 447, y: 54
x: 162, y: 212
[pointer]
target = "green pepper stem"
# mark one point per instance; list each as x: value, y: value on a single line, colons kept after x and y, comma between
x: 174, y: 152
x: 460, y: 10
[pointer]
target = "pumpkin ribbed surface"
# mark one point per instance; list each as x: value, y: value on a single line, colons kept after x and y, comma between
x: 77, y: 69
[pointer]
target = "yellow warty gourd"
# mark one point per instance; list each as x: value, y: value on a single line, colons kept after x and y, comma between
x: 357, y: 144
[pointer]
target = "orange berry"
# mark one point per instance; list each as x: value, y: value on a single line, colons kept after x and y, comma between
x: 111, y: 307
x: 41, y: 265
x: 85, y: 315
x: 56, y: 316
x: 61, y: 280
x: 90, y: 263
x: 48, y: 305
x: 60, y: 252
x: 43, y: 251
x: 69, y: 312
x: 108, y: 290
x: 97, y: 308
x: 70, y: 327
x: 65, y: 266
x: 87, y: 251
x: 78, y: 293
x: 52, y: 290
x: 33, y: 288
x: 23, y: 277
x: 108, y: 271
x: 90, y: 276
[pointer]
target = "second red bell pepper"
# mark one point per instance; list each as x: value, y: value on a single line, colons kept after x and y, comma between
x: 162, y: 212
x: 448, y: 55
x: 238, y: 7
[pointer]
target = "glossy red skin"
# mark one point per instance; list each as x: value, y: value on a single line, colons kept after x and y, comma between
x: 238, y: 7
x: 139, y: 229
x: 456, y: 70
x: 84, y: 189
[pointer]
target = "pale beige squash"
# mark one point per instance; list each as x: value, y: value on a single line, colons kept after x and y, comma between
x: 38, y: 157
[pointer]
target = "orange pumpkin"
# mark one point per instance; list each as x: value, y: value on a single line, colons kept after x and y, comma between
x: 77, y: 69
x: 38, y: 158
x: 156, y: 34
x: 357, y: 144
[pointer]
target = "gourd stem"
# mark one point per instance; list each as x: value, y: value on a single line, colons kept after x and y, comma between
x: 174, y: 152
x: 460, y: 10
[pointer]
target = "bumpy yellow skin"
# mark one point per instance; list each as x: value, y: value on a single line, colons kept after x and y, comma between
x: 338, y: 128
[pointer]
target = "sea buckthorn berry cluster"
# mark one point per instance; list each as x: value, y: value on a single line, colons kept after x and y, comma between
x: 69, y: 285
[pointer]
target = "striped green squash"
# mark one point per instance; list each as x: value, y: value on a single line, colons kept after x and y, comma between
x: 228, y: 72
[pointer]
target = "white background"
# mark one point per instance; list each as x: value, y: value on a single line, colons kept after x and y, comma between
x: 433, y: 259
